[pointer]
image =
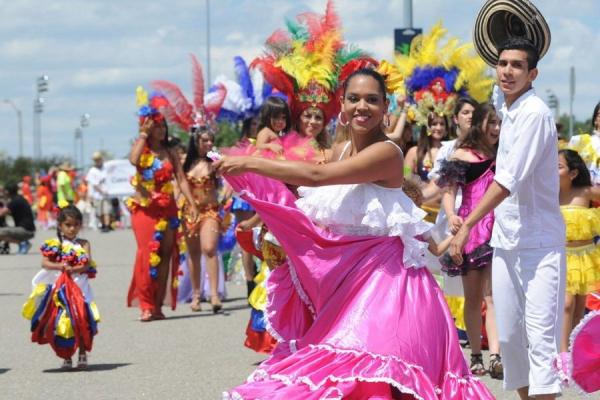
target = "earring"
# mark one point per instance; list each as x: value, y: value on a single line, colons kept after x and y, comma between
x: 386, y: 120
x: 341, y: 120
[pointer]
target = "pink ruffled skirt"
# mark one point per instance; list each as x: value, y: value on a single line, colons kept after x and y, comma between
x: 350, y: 320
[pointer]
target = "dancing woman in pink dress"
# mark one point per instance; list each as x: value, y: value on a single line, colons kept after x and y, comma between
x: 355, y: 313
x: 471, y: 168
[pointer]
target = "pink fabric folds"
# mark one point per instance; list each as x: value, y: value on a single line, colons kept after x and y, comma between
x: 585, y: 353
x: 350, y: 320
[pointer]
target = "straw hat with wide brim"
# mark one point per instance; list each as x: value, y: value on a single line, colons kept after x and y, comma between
x: 499, y: 20
x: 66, y: 166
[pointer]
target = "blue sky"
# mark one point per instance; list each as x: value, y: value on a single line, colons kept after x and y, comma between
x: 97, y: 51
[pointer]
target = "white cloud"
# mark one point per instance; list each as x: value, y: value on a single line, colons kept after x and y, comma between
x: 96, y: 52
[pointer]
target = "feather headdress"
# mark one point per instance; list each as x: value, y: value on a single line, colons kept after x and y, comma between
x: 306, y: 61
x: 434, y: 76
x: 199, y: 113
x: 245, y: 94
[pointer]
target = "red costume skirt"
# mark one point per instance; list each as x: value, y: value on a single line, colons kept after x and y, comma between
x: 143, y: 288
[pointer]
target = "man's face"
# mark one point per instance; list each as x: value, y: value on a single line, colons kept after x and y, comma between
x: 513, y: 73
x: 98, y: 162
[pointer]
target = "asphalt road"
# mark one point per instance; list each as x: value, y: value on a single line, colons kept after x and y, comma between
x: 187, y: 356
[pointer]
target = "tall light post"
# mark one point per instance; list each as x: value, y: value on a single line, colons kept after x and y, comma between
x: 571, y: 98
x: 38, y: 108
x: 408, y: 14
x: 19, y: 124
x: 84, y: 122
x: 78, y: 136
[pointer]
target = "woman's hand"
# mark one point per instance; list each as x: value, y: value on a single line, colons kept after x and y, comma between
x: 145, y: 128
x: 400, y: 102
x: 245, y: 226
x: 454, y: 223
x: 193, y: 217
x: 231, y: 165
x: 458, y: 244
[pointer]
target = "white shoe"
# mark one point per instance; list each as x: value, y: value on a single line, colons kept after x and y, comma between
x: 67, y: 364
x: 82, y: 363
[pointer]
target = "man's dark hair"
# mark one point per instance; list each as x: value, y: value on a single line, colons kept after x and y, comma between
x: 12, y: 189
x: 517, y: 43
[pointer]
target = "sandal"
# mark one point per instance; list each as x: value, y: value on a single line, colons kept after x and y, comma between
x: 496, y: 369
x: 477, y: 367
x: 196, y: 305
x: 82, y: 362
x: 67, y: 364
x: 158, y: 316
x: 146, y: 316
x: 216, y: 305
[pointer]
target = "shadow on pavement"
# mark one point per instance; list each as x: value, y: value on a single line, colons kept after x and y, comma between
x: 234, y: 299
x: 12, y: 294
x: 90, y: 368
x: 4, y: 370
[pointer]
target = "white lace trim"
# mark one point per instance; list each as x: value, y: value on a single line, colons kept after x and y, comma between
x: 300, y: 290
x: 331, y: 349
x: 303, y: 296
x: 368, y: 210
x: 261, y: 375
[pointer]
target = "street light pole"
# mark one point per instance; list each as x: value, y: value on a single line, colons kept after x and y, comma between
x: 84, y: 122
x: 19, y: 124
x: 571, y: 98
x: 408, y: 14
x: 38, y: 108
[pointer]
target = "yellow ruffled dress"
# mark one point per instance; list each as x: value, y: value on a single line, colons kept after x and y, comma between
x: 583, y: 262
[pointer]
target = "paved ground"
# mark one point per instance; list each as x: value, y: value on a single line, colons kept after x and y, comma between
x: 188, y: 356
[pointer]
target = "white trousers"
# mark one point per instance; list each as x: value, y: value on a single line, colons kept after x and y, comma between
x: 528, y: 288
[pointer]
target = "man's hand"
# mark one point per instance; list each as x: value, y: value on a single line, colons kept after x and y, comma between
x: 458, y: 244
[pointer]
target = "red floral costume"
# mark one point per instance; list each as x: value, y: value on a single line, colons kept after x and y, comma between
x: 151, y: 216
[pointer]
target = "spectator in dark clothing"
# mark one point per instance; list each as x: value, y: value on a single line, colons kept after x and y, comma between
x: 21, y: 213
x: 4, y: 246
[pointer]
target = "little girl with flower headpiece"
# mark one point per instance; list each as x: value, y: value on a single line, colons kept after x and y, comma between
x: 61, y: 307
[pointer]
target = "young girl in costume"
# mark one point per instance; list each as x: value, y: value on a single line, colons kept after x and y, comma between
x: 62, y: 313
x: 274, y: 122
x: 154, y: 212
x: 471, y: 168
x: 583, y: 224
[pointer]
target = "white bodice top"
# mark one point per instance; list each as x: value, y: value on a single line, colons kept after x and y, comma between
x: 367, y: 209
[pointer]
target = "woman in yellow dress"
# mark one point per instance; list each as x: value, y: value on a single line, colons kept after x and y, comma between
x: 583, y: 224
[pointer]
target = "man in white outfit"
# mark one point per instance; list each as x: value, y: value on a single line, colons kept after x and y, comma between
x: 528, y: 268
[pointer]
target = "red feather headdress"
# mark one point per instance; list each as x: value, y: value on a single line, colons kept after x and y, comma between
x: 203, y: 110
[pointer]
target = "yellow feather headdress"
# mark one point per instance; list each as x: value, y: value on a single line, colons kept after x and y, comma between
x: 434, y: 75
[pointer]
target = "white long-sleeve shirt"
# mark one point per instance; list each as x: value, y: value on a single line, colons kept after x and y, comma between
x: 527, y: 166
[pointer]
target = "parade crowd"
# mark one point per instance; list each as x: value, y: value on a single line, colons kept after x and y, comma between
x: 385, y: 214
